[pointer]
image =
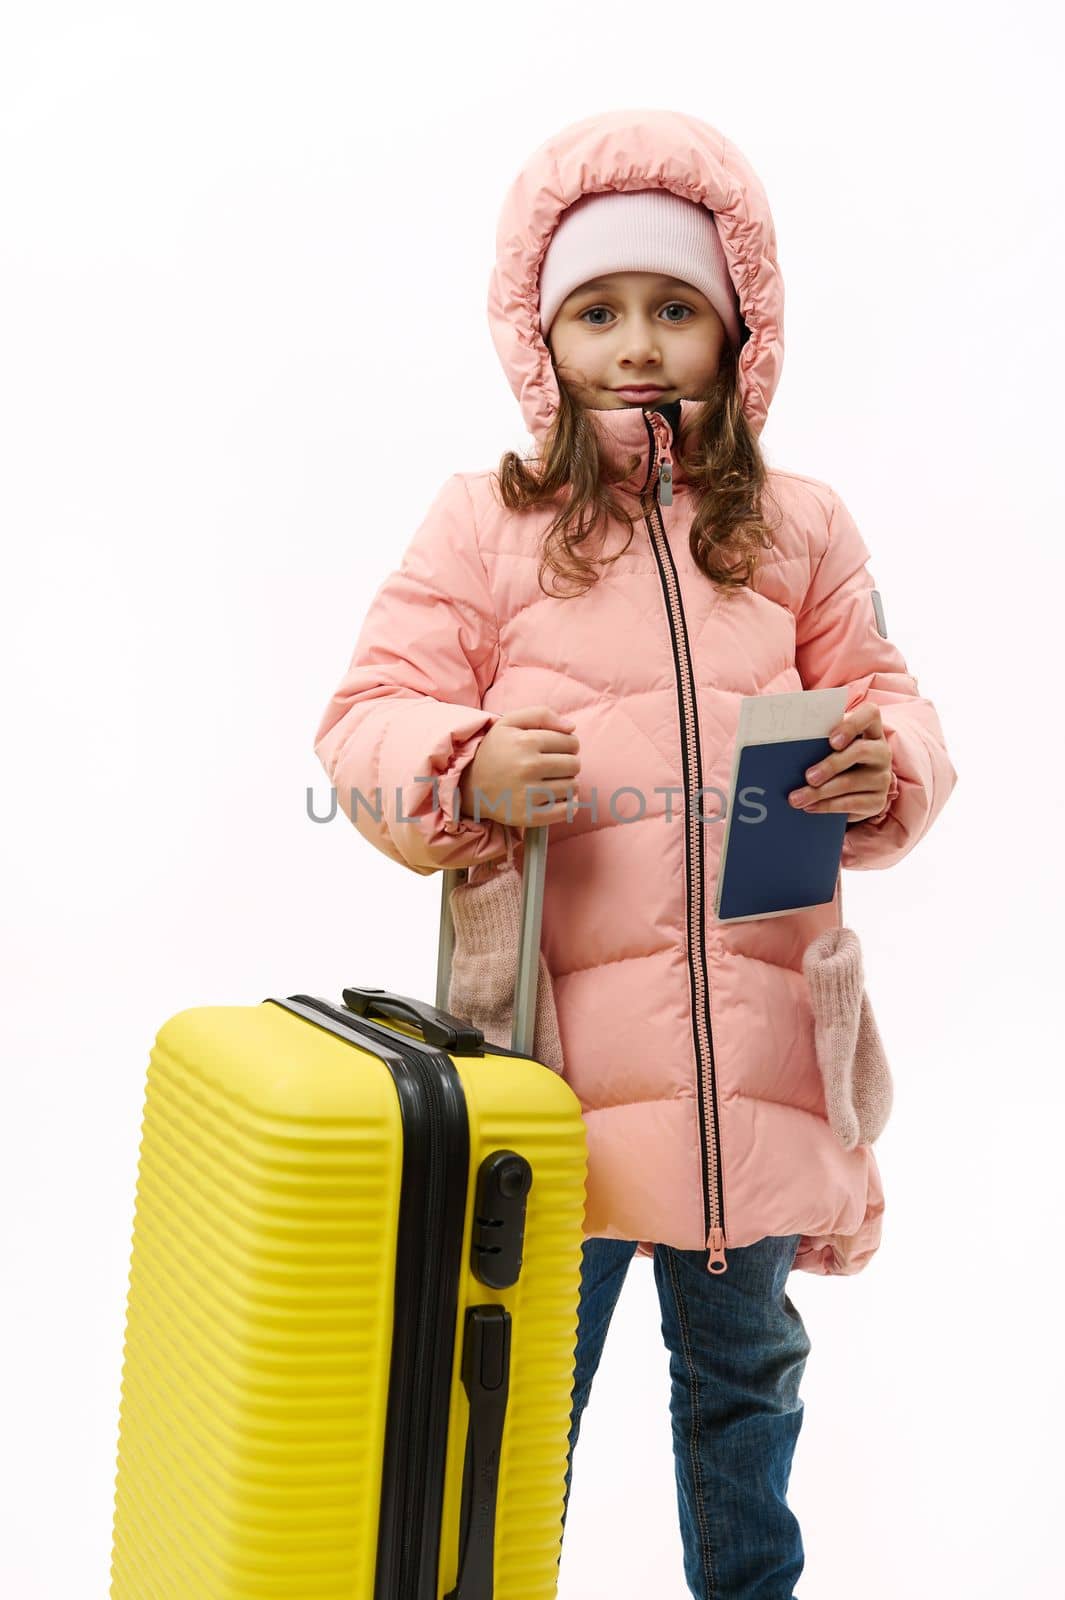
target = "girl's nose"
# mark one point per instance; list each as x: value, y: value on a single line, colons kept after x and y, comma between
x: 639, y: 340
x: 636, y: 351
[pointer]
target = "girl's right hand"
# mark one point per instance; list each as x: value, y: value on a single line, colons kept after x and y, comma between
x: 532, y: 749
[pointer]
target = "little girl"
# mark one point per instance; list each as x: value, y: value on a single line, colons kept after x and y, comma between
x: 572, y: 636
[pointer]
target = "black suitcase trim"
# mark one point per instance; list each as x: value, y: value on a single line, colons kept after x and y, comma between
x: 436, y: 1156
x: 436, y: 1169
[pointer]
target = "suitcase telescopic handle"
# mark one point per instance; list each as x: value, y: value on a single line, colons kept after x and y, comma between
x: 534, y: 866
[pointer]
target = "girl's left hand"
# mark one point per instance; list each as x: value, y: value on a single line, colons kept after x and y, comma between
x: 865, y: 765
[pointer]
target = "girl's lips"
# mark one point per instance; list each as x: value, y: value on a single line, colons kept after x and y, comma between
x: 640, y: 393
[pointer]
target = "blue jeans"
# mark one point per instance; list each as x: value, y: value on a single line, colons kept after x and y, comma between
x: 737, y: 1349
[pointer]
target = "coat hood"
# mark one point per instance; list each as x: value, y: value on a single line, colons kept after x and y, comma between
x: 634, y: 149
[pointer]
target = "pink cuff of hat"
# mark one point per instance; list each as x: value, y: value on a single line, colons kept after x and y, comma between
x: 638, y: 230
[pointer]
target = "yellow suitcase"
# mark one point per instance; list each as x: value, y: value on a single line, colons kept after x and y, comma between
x: 352, y: 1308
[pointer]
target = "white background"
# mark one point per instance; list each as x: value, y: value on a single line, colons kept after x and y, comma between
x: 245, y: 252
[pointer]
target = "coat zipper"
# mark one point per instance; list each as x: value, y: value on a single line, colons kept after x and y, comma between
x: 661, y: 482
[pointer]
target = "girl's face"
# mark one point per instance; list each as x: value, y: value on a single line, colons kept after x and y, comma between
x: 635, y: 329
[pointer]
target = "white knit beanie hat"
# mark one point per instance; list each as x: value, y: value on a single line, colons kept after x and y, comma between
x: 638, y: 230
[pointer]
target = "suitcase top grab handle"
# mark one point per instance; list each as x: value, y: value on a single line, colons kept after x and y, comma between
x: 439, y: 1028
x: 534, y: 865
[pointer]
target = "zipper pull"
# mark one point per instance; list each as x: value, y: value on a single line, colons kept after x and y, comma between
x: 665, y: 457
x: 717, y: 1260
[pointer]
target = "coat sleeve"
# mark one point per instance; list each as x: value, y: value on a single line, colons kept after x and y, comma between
x: 838, y: 643
x: 407, y: 717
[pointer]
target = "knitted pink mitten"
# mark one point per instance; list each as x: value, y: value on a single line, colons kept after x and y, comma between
x: 873, y: 1088
x: 850, y: 1052
x: 486, y: 916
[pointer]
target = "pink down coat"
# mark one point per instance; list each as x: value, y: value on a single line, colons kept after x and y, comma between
x: 690, y: 1043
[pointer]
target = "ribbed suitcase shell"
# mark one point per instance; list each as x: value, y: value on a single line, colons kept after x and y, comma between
x: 255, y: 1384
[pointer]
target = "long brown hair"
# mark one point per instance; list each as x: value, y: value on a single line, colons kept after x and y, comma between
x: 722, y: 460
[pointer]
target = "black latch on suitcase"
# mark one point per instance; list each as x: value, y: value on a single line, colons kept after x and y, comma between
x: 498, y: 1234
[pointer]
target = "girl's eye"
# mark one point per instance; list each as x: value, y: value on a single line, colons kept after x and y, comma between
x: 672, y: 305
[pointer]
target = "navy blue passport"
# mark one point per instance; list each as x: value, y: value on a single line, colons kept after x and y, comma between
x: 776, y: 858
